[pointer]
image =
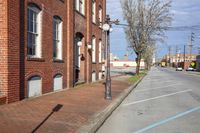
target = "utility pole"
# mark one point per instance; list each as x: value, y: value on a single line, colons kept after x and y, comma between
x: 199, y: 50
x: 190, y: 45
x: 169, y: 56
x: 184, y: 57
x: 176, y: 55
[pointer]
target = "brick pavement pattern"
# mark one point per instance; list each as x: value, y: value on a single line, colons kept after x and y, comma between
x: 77, y: 106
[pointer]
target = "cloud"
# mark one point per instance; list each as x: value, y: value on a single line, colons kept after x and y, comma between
x: 186, y: 13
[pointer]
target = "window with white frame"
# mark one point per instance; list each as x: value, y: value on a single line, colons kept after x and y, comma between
x: 34, y: 31
x: 57, y: 38
x: 93, y: 49
x: 100, y: 16
x: 80, y: 6
x: 100, y: 51
x: 93, y: 11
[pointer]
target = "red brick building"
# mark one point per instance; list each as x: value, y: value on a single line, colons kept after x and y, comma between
x: 49, y: 45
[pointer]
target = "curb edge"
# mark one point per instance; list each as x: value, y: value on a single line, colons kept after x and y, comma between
x: 98, y: 119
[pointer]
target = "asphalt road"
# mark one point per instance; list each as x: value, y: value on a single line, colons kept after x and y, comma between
x: 165, y: 101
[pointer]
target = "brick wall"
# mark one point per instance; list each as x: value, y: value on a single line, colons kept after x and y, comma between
x: 46, y: 67
x: 84, y: 25
x: 13, y: 50
x: 3, y: 48
x: 3, y: 100
x: 20, y: 67
x: 17, y: 68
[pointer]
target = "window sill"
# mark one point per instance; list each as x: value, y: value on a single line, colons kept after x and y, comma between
x: 58, y: 61
x: 94, y: 63
x: 62, y: 1
x: 35, y: 59
x: 94, y: 23
x: 81, y: 14
x: 101, y: 28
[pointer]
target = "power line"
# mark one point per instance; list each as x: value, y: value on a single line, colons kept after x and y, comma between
x: 170, y: 28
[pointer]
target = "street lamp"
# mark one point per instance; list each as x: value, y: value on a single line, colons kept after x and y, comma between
x: 107, y: 28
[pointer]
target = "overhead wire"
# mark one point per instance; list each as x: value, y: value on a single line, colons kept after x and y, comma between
x: 169, y: 28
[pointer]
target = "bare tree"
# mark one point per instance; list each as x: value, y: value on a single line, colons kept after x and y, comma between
x: 148, y: 56
x: 147, y: 22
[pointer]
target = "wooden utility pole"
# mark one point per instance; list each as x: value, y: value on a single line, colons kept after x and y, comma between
x: 169, y: 55
x: 176, y: 56
x: 190, y: 45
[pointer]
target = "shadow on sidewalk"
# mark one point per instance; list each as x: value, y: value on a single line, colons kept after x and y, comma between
x: 55, y: 109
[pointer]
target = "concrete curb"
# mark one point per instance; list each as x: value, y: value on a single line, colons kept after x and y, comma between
x: 98, y: 119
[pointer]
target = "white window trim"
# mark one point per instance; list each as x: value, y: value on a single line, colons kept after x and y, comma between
x: 77, y: 6
x: 60, y: 37
x: 31, y: 80
x: 93, y: 49
x: 100, y: 51
x: 94, y: 75
x: 100, y: 17
x: 94, y: 11
x: 83, y: 8
x: 54, y: 79
x: 38, y: 49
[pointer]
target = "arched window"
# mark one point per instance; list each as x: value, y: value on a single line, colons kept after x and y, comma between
x: 58, y: 82
x: 93, y: 76
x: 34, y: 86
x: 93, y: 49
x: 57, y: 38
x: 34, y: 31
x: 100, y: 75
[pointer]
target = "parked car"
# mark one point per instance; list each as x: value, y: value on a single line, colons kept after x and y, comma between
x: 179, y: 69
x: 190, y: 69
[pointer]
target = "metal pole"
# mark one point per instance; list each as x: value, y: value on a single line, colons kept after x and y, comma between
x: 184, y: 57
x: 176, y: 56
x: 170, y: 56
x: 108, y: 78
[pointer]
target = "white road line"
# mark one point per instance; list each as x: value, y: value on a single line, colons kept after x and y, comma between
x: 145, y: 100
x: 159, y: 123
x: 156, y: 88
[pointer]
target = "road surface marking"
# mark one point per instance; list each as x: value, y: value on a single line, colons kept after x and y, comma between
x: 156, y: 88
x: 168, y: 119
x: 171, y: 94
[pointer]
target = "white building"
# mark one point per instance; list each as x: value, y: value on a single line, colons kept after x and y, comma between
x: 126, y: 64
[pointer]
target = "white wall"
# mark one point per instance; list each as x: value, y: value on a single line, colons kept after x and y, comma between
x: 126, y: 63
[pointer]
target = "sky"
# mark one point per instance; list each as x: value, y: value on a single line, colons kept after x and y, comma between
x: 185, y: 13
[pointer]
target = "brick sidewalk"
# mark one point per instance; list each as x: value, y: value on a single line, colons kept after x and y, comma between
x: 77, y: 106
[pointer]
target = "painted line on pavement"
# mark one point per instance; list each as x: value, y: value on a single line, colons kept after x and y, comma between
x: 145, y: 100
x: 168, y: 119
x: 156, y: 88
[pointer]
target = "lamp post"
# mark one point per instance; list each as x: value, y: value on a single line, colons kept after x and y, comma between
x: 107, y: 28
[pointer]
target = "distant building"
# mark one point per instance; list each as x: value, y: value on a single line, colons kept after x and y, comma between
x: 113, y: 57
x: 121, y: 63
x: 180, y: 59
x: 198, y: 62
x: 126, y: 57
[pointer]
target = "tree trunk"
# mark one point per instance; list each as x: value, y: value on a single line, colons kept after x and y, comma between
x: 146, y: 65
x: 138, y: 64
